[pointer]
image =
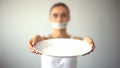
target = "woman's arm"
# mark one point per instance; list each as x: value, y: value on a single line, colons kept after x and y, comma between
x: 31, y: 43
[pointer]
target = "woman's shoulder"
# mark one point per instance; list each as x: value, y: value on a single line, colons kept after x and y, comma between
x: 44, y: 37
x: 77, y: 37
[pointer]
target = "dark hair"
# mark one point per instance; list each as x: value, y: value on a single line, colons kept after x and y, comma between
x: 60, y: 4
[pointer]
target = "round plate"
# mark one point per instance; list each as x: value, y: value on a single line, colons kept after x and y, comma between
x: 63, y: 47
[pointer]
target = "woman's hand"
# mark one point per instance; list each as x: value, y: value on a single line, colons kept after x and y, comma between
x: 33, y: 50
x: 32, y: 42
x: 91, y: 42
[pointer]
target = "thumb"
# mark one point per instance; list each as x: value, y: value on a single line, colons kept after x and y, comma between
x: 33, y: 43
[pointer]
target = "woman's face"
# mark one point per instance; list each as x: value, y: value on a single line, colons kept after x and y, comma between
x: 59, y: 14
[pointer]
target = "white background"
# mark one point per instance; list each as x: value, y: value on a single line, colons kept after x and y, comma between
x: 22, y: 19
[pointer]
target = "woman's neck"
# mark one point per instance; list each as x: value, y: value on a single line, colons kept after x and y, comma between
x: 59, y: 33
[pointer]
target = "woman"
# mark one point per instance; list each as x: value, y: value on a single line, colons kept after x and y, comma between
x: 59, y: 18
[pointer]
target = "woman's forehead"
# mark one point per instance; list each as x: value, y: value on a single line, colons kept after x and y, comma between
x: 59, y: 9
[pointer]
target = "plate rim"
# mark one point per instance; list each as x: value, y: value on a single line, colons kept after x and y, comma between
x: 90, y: 48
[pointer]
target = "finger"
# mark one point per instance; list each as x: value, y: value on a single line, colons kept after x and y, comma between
x: 30, y: 43
x: 86, y: 54
x: 33, y: 41
x: 33, y: 51
x: 37, y: 52
x: 92, y: 50
x: 91, y: 43
x: 89, y: 40
x: 40, y: 53
x: 83, y: 54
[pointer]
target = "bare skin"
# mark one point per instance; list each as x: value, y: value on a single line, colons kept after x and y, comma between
x: 58, y: 14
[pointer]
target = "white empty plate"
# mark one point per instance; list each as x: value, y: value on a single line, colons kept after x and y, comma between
x: 63, y: 47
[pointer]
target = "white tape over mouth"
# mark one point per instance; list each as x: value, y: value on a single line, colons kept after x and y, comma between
x: 57, y: 25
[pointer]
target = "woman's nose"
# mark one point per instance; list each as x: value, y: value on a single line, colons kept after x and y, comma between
x: 59, y: 19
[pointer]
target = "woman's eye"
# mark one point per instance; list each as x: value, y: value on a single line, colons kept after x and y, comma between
x: 55, y: 15
x: 64, y: 15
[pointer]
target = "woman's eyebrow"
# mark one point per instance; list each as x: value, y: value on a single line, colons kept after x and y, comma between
x: 55, y: 14
x: 64, y: 14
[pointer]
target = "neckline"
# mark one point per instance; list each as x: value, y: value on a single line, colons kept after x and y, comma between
x: 69, y: 36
